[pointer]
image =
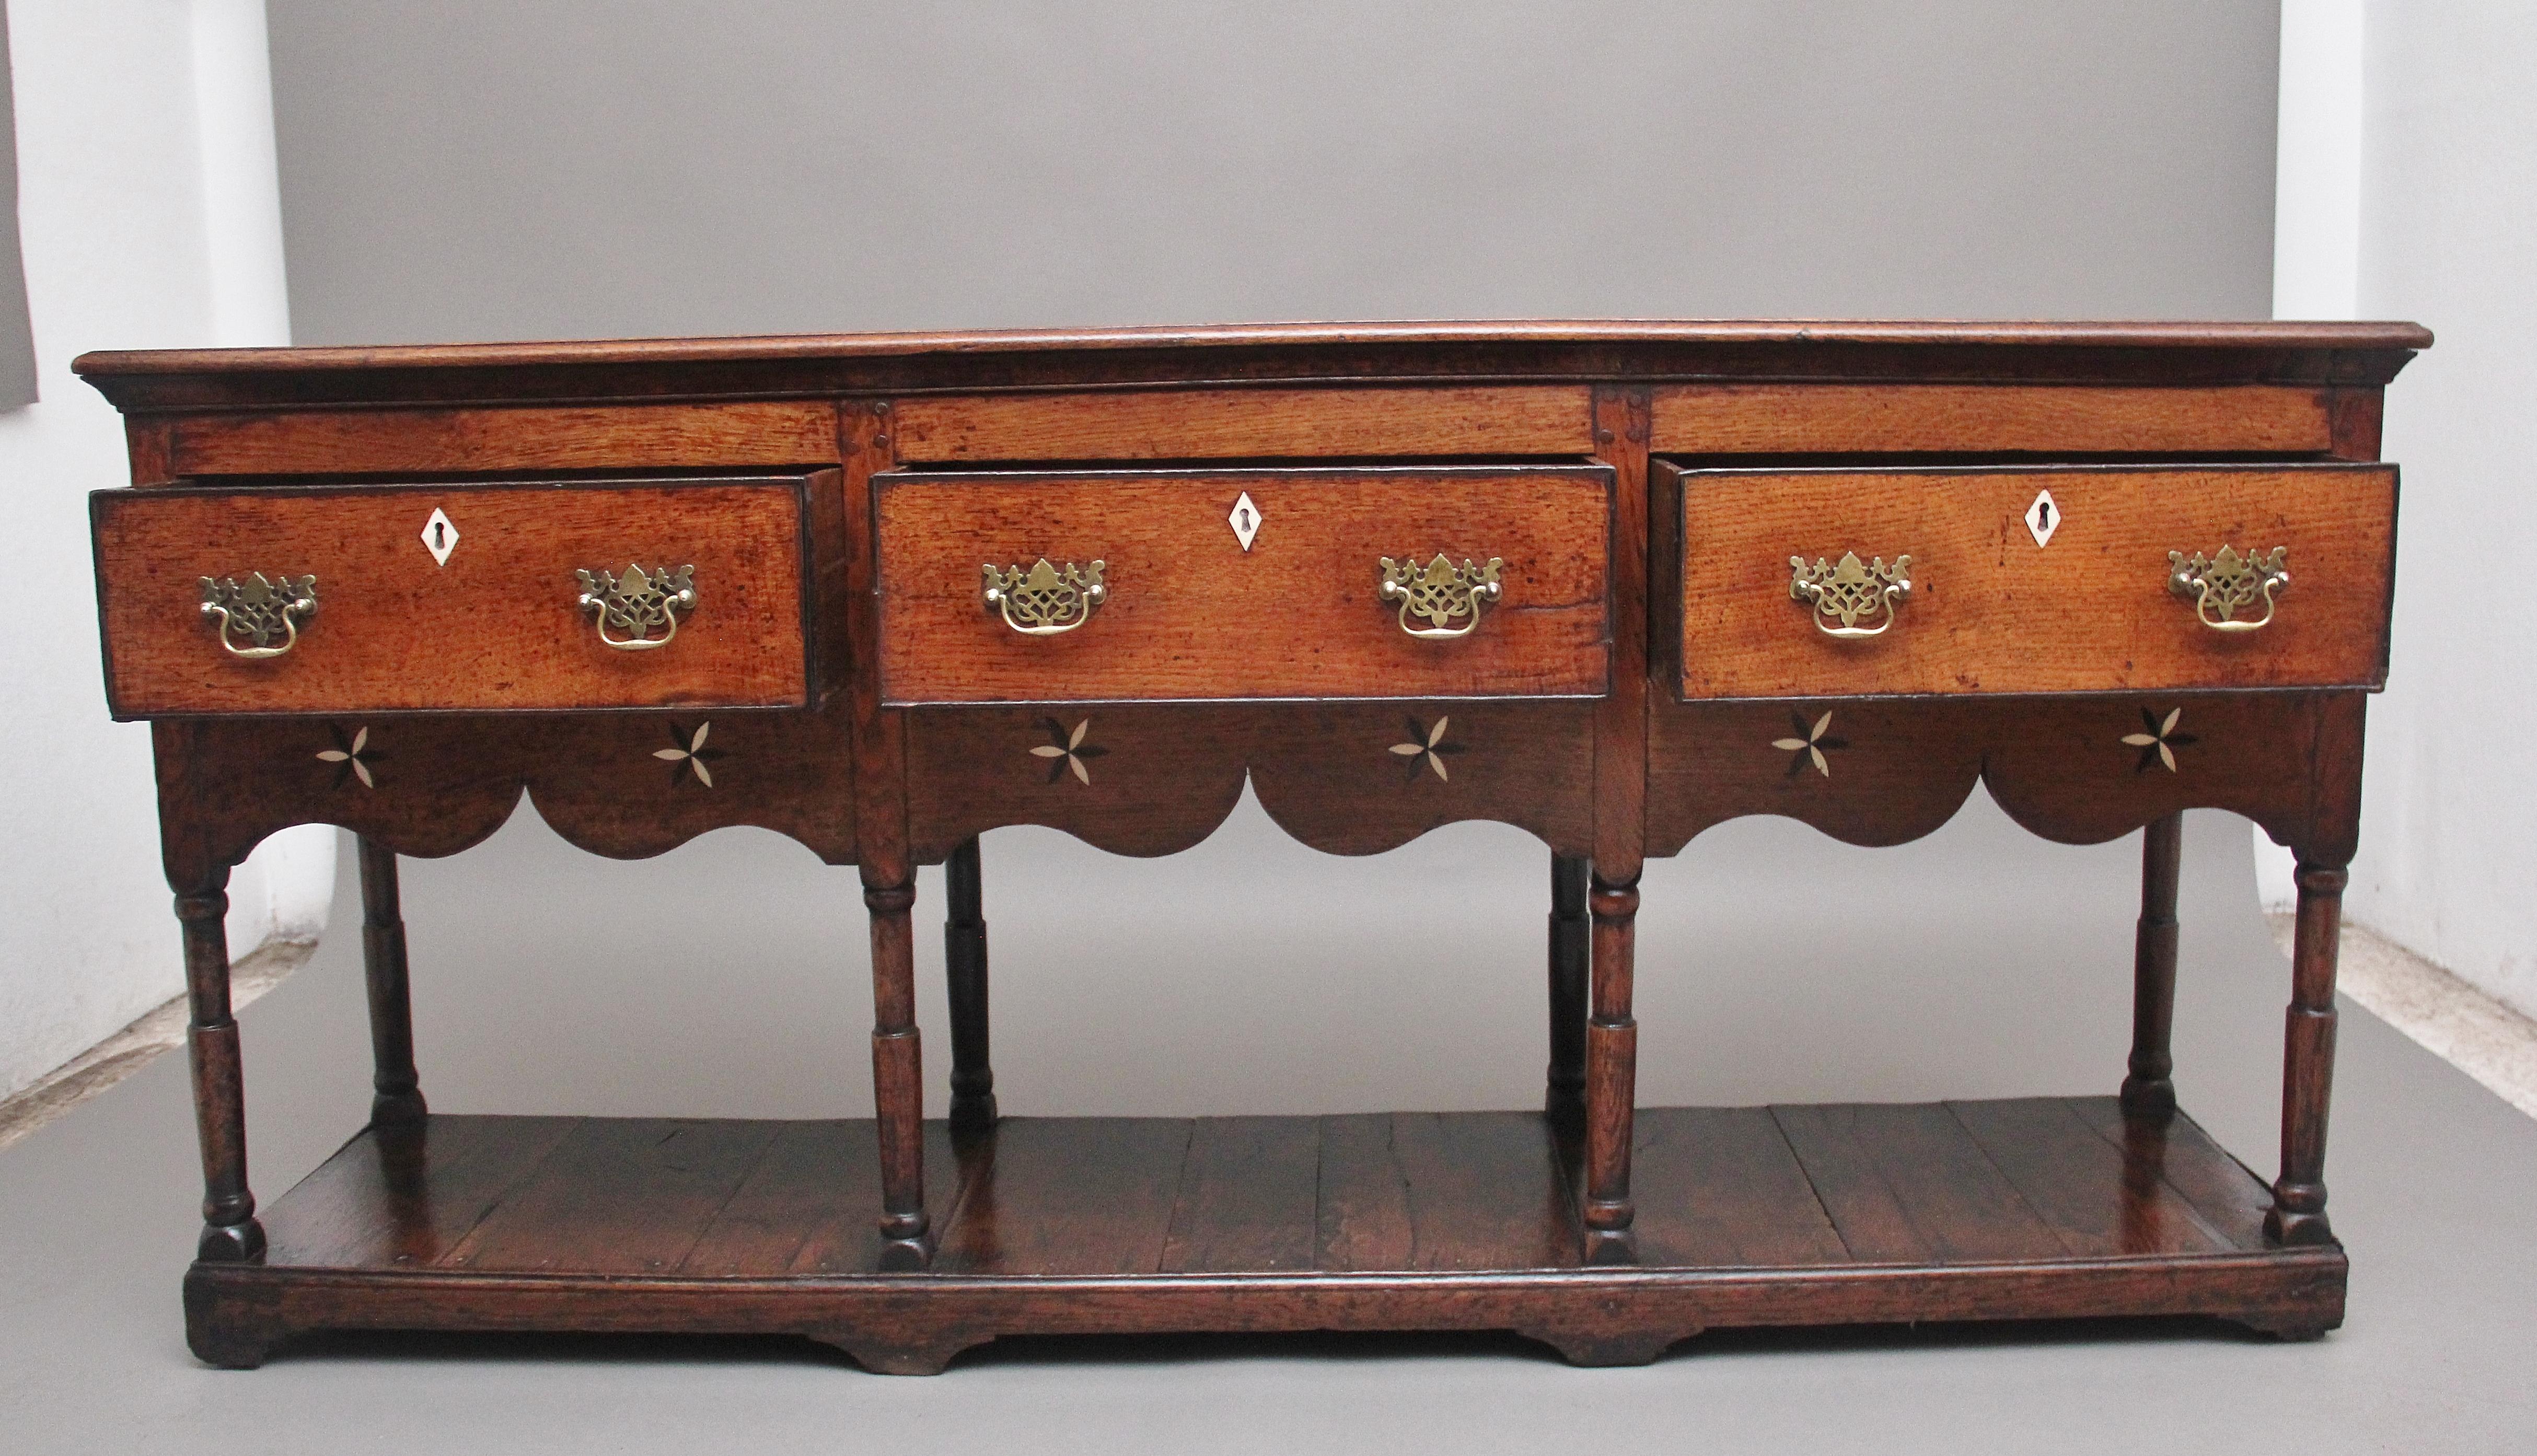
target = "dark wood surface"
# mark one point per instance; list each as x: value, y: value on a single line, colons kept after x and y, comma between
x: 1896, y: 769
x: 396, y: 1085
x: 2014, y: 332
x: 1747, y: 1215
x: 1192, y: 616
x: 1621, y: 436
x: 2149, y: 1087
x: 964, y: 967
x: 625, y: 784
x: 2352, y: 353
x: 1789, y: 1187
x: 2298, y: 1214
x: 882, y: 860
x: 1157, y: 780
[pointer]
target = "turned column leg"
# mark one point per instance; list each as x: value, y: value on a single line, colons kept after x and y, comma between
x: 396, y: 1088
x: 2298, y: 1214
x: 964, y: 963
x: 898, y: 1085
x: 1611, y: 1077
x: 2149, y: 1090
x: 1570, y: 938
x: 231, y: 1233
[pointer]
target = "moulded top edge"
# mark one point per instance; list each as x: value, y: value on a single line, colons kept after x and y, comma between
x: 2321, y: 335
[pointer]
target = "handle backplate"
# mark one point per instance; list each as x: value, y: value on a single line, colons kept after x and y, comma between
x: 2225, y: 585
x: 641, y: 606
x: 1043, y: 600
x: 1844, y: 595
x: 1446, y: 598
x: 249, y: 615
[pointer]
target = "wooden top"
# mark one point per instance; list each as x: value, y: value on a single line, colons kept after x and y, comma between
x: 2360, y: 353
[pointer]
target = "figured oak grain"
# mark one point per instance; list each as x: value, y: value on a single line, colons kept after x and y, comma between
x: 1976, y: 418
x: 1201, y: 425
x: 1991, y: 611
x: 1192, y: 617
x: 497, y: 627
x: 725, y: 435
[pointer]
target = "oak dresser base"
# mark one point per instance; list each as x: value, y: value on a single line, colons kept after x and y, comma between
x: 1610, y: 583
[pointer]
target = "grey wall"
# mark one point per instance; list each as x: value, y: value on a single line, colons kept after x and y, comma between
x: 529, y: 168
x: 16, y: 330
x: 510, y: 168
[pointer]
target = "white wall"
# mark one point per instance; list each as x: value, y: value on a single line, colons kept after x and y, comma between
x: 148, y: 213
x: 2316, y: 225
x: 2448, y: 235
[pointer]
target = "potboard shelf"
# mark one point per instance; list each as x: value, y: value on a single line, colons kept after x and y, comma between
x: 2042, y: 1207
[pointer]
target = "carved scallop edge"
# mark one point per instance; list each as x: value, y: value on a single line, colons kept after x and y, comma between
x: 954, y: 792
x: 2295, y: 773
x: 221, y: 793
x: 1215, y: 751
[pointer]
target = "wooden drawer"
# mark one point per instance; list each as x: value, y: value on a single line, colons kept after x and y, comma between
x: 497, y: 626
x: 1991, y: 611
x: 1189, y: 615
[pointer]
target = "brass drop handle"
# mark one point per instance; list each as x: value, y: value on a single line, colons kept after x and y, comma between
x: 643, y: 607
x: 2226, y: 583
x: 1445, y: 597
x: 255, y: 612
x: 1043, y: 600
x: 1843, y: 593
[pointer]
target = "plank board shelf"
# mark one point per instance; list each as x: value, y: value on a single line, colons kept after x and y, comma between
x: 2040, y: 1207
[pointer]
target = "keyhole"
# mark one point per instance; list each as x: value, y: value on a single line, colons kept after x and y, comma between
x: 1246, y: 520
x: 439, y: 536
x: 2043, y: 515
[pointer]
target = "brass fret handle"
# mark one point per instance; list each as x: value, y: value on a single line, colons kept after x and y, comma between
x: 1843, y: 595
x: 1446, y: 597
x: 258, y: 611
x: 2226, y: 583
x: 1043, y: 600
x: 643, y: 607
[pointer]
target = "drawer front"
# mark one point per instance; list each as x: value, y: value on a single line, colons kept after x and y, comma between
x: 2095, y: 607
x: 1187, y: 613
x: 498, y: 625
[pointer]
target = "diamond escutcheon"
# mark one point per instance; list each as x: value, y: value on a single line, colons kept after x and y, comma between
x: 2044, y: 518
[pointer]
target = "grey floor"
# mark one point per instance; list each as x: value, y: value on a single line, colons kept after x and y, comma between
x: 1775, y: 966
